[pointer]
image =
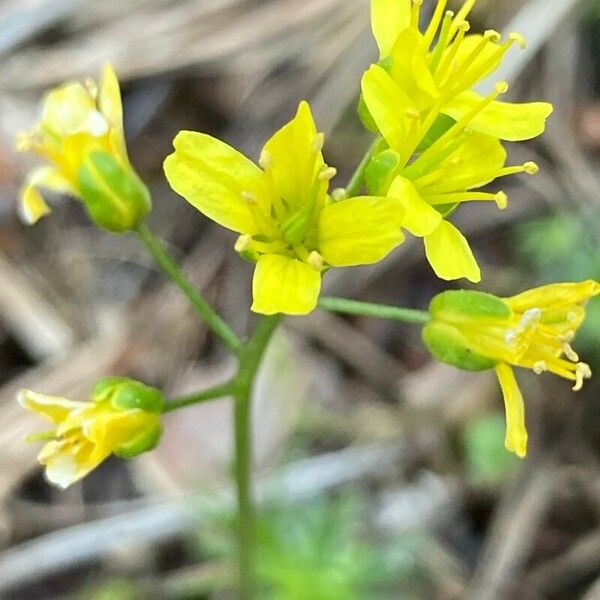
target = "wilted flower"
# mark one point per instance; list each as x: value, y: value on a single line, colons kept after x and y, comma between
x: 477, y: 331
x: 288, y: 223
x: 123, y: 418
x: 81, y: 135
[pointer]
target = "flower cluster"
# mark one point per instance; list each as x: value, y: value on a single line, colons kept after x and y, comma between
x: 123, y: 418
x: 439, y: 145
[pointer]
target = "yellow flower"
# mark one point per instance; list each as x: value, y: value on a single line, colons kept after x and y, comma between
x: 437, y: 68
x: 123, y: 418
x: 447, y: 173
x: 81, y: 135
x: 288, y: 224
x: 477, y: 331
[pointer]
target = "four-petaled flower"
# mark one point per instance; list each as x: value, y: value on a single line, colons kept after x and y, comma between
x: 123, y: 418
x: 81, y: 135
x: 442, y: 140
x: 477, y: 331
x: 289, y: 225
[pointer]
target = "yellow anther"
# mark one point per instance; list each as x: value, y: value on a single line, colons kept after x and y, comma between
x: 249, y: 197
x: 318, y: 142
x: 540, y: 367
x: 566, y: 337
x: 492, y: 35
x: 501, y: 200
x: 501, y: 87
x: 570, y: 353
x: 242, y: 243
x: 463, y: 26
x: 327, y: 173
x: 23, y: 141
x: 519, y: 39
x: 315, y: 260
x: 531, y: 168
x: 91, y: 87
x: 265, y: 160
x: 412, y: 113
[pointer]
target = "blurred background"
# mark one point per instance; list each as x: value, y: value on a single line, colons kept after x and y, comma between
x: 381, y: 474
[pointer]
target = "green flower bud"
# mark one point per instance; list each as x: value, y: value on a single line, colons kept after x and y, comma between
x: 380, y: 172
x: 127, y: 394
x: 457, y: 304
x: 115, y: 197
x: 145, y: 442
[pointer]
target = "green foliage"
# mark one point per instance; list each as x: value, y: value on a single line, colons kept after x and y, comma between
x: 487, y: 460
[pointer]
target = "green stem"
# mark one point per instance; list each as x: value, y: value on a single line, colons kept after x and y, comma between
x: 250, y: 359
x: 379, y: 311
x: 357, y: 179
x: 219, y: 391
x: 174, y: 272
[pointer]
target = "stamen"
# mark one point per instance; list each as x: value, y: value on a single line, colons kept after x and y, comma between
x: 540, y: 367
x: 327, y: 173
x: 23, y: 141
x: 263, y: 222
x: 242, y: 243
x: 91, y: 87
x: 531, y: 168
x: 454, y: 48
x: 467, y: 7
x: 266, y: 160
x: 318, y: 142
x: 315, y: 260
x: 566, y: 337
x: 570, y: 353
x: 501, y: 200
x: 443, y: 41
x: 519, y: 39
x: 415, y: 13
x: 582, y: 372
x: 434, y: 24
x: 338, y: 194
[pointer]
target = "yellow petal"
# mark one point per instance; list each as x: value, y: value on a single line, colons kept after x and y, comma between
x: 111, y: 106
x: 33, y: 206
x: 420, y: 218
x: 516, y: 433
x: 54, y: 408
x: 115, y: 428
x: 388, y: 105
x: 217, y: 180
x: 71, y: 109
x: 359, y: 231
x: 555, y: 296
x: 479, y: 155
x: 293, y: 159
x: 410, y: 69
x: 450, y: 255
x: 284, y: 285
x: 388, y: 19
x: 69, y: 460
x: 509, y: 121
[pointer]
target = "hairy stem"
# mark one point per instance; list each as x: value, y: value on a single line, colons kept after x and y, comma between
x: 174, y: 272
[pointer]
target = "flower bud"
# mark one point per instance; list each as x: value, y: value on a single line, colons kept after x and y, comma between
x: 115, y: 197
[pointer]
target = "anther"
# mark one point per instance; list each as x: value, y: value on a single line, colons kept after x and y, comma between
x: 501, y: 200
x: 315, y: 260
x: 266, y: 160
x: 571, y: 317
x: 463, y: 26
x: 249, y: 197
x: 327, y: 173
x: 570, y: 353
x: 531, y: 168
x: 582, y: 372
x: 91, y: 87
x: 242, y: 243
x: 318, y: 142
x: 338, y: 194
x: 540, y: 367
x: 501, y: 87
x: 519, y: 39
x: 412, y: 113
x: 566, y: 337
x: 492, y: 35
